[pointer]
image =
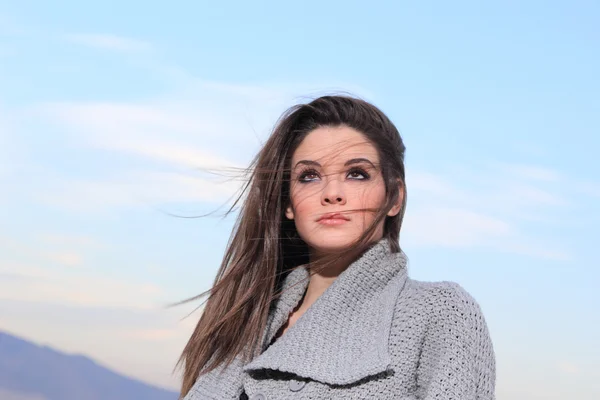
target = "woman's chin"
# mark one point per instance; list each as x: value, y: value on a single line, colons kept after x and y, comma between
x: 332, y: 244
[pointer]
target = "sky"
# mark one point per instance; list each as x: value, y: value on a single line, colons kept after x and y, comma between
x: 113, y: 113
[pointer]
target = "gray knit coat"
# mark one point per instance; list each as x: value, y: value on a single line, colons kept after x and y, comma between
x: 373, y: 334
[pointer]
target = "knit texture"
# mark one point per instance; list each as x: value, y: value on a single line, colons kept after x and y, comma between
x: 373, y: 334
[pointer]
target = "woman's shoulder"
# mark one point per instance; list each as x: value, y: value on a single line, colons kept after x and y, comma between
x: 443, y: 290
x: 439, y: 300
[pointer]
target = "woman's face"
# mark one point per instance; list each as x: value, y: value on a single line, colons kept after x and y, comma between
x: 336, y: 188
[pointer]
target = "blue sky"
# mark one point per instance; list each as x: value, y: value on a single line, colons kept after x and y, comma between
x: 108, y: 111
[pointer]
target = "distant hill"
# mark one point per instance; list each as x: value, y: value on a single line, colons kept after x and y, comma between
x: 32, y: 372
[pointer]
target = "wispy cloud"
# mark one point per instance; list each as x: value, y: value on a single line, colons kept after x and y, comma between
x: 182, y: 131
x: 166, y: 146
x: 534, y: 195
x: 485, y: 186
x: 9, y: 149
x: 41, y: 270
x: 533, y: 172
x: 589, y: 188
x: 70, y: 240
x: 67, y: 259
x: 170, y: 152
x: 135, y: 190
x: 567, y: 367
x: 110, y: 42
x: 35, y: 284
x: 50, y: 249
x: 152, y: 335
x: 486, y: 209
x: 453, y: 227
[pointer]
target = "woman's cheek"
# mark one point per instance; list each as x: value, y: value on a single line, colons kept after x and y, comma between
x: 306, y: 199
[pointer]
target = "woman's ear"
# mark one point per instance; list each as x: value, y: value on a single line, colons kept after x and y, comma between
x: 398, y: 205
x: 289, y: 212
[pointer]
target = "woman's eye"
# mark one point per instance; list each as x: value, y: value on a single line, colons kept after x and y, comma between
x: 308, y: 176
x: 358, y: 174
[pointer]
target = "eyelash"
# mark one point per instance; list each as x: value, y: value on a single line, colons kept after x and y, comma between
x: 355, y: 170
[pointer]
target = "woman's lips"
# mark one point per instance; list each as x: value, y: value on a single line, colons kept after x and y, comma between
x: 332, y: 219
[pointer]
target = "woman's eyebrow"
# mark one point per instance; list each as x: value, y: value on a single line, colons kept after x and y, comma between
x: 349, y: 162
x: 307, y: 162
x: 358, y: 161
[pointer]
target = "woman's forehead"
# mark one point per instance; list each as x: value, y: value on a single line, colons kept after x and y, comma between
x: 332, y: 145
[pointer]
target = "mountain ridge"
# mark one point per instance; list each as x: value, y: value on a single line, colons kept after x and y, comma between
x: 30, y: 371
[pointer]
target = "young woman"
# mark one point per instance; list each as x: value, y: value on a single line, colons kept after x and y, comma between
x: 312, y: 300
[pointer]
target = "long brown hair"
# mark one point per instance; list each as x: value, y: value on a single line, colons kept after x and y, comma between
x: 264, y: 245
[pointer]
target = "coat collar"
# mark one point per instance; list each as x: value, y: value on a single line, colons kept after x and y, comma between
x: 343, y: 336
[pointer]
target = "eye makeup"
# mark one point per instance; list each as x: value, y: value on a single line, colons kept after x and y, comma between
x: 311, y: 175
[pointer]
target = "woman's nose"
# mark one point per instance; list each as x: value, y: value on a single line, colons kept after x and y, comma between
x: 333, y: 194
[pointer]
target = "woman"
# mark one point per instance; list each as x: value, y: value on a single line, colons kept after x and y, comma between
x: 312, y: 300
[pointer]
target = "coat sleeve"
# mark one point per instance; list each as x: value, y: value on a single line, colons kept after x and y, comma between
x: 457, y: 360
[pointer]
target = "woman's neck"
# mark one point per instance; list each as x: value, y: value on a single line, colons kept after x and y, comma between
x: 321, y: 280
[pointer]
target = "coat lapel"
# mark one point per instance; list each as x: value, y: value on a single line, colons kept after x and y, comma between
x: 343, y: 336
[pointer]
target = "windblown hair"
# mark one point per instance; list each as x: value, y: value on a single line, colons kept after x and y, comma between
x: 264, y: 245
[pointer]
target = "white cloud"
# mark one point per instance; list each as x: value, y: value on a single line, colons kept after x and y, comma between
x: 211, y: 122
x: 174, y: 153
x: 166, y: 146
x: 69, y: 259
x: 533, y: 172
x: 41, y: 271
x: 523, y: 193
x: 152, y: 335
x: 485, y: 189
x: 220, y: 126
x: 51, y: 285
x: 568, y: 368
x: 110, y: 42
x: 589, y: 188
x: 140, y: 189
x: 452, y: 227
x: 52, y: 249
x: 530, y: 246
x: 8, y: 146
x: 434, y: 186
x: 211, y: 128
x: 69, y: 240
x: 482, y: 209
